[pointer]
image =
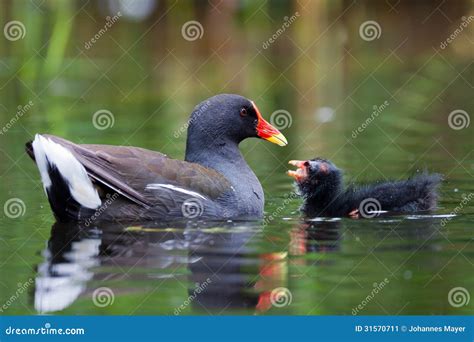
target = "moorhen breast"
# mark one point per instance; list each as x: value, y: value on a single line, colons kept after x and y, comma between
x: 102, y: 182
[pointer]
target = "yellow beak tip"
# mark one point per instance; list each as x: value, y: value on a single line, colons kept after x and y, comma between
x: 278, y: 139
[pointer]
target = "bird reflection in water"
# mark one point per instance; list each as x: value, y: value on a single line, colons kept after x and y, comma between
x: 224, y: 272
x: 77, y: 258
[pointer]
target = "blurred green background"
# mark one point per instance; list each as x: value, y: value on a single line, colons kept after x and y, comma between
x: 318, y: 70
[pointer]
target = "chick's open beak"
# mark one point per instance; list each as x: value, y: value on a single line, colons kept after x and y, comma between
x: 301, y: 173
x: 267, y: 131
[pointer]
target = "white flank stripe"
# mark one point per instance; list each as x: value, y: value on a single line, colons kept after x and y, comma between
x: 69, y: 167
x: 175, y: 188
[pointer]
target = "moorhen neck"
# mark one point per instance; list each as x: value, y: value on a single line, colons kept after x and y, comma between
x: 87, y: 183
x: 213, y: 141
x: 320, y: 183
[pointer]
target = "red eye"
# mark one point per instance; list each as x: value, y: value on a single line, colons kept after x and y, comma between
x: 243, y: 112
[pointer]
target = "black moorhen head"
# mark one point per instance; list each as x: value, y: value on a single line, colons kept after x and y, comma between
x: 88, y: 183
x: 221, y: 122
x: 321, y: 185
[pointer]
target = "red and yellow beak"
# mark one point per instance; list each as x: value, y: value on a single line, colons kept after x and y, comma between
x: 267, y: 131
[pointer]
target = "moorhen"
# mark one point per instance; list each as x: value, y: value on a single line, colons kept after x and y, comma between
x: 320, y: 183
x: 104, y: 182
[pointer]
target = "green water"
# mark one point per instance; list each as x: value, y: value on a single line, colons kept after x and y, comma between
x: 325, y: 76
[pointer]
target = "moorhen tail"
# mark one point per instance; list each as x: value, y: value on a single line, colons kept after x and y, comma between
x: 101, y: 182
x: 320, y: 183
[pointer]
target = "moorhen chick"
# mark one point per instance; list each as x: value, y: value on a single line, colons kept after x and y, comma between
x: 320, y: 183
x: 102, y: 182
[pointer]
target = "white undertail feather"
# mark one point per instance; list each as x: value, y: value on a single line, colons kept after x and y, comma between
x: 80, y: 185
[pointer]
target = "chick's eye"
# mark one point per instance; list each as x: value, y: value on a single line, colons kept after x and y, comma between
x: 243, y: 112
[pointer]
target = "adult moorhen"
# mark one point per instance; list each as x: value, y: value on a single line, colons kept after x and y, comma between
x: 320, y: 183
x: 104, y: 182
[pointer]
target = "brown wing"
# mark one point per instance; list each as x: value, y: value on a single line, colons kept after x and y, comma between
x: 128, y: 170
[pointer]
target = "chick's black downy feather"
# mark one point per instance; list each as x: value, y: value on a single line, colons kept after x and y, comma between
x: 324, y: 193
